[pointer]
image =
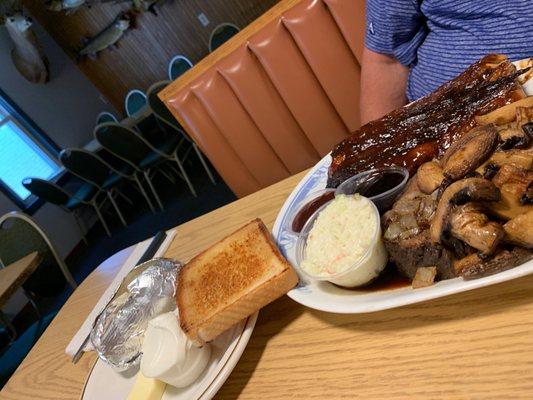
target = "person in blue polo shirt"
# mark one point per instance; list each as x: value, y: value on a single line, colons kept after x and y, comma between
x: 414, y: 46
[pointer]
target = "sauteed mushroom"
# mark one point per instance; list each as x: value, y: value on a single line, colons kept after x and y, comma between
x: 469, y: 224
x: 527, y: 197
x: 514, y: 183
x: 528, y: 129
x: 519, y: 230
x: 458, y: 193
x: 506, y: 259
x: 524, y: 115
x: 429, y: 177
x: 465, y: 155
x: 466, y: 262
x: 505, y: 114
x: 524, y: 120
x: 519, y: 158
x: 512, y: 137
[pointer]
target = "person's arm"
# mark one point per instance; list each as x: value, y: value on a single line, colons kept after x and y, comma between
x: 383, y: 84
x: 394, y: 31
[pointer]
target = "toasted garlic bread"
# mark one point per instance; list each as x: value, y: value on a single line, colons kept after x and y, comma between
x: 230, y: 281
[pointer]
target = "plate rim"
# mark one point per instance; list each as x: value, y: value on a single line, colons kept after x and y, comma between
x: 225, y: 371
x: 422, y: 295
x: 232, y: 360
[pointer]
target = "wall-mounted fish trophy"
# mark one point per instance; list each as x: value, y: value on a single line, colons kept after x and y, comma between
x: 27, y: 54
x: 140, y: 6
x: 152, y: 5
x: 108, y: 38
x: 68, y: 6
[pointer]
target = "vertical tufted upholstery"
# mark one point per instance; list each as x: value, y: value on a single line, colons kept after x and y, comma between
x: 281, y: 97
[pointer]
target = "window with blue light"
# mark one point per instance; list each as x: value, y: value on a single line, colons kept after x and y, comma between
x: 22, y: 155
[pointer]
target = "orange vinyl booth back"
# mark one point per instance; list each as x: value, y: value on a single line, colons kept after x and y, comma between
x: 279, y: 95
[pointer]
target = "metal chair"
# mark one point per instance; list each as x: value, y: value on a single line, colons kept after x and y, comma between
x: 132, y: 148
x: 85, y: 195
x: 167, y: 121
x: 135, y: 100
x: 92, y: 169
x: 20, y: 235
x: 178, y: 66
x: 221, y: 34
x: 105, y: 116
x: 114, y: 162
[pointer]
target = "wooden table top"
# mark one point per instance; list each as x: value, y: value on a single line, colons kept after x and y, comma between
x: 14, y: 275
x: 477, y: 344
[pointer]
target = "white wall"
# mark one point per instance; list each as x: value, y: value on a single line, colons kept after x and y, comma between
x: 65, y: 108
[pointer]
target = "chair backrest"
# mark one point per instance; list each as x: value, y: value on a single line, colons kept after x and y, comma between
x: 178, y: 66
x: 19, y: 236
x: 277, y: 96
x: 221, y: 34
x: 134, y: 101
x: 116, y: 163
x: 85, y: 165
x: 46, y: 190
x: 105, y: 116
x: 122, y: 142
x: 159, y: 108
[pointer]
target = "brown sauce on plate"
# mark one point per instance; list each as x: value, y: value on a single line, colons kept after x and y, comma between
x: 306, y: 211
x: 389, y: 279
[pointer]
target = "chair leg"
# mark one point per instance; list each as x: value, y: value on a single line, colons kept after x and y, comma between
x: 175, y: 170
x: 115, y: 206
x: 101, y: 217
x: 31, y: 299
x: 147, y: 177
x: 141, y: 188
x: 202, y: 160
x: 185, y: 176
x: 167, y: 175
x: 9, y: 326
x: 130, y: 201
x: 66, y: 272
x: 80, y: 227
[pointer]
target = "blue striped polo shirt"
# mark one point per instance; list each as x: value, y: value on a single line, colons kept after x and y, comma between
x: 438, y: 39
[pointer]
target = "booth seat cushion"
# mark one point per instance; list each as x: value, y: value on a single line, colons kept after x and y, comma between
x: 281, y: 98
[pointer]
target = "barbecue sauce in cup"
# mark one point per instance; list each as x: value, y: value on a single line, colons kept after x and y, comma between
x: 309, y: 209
x: 381, y: 185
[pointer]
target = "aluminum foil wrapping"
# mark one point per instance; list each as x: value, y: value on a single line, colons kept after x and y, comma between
x: 146, y: 292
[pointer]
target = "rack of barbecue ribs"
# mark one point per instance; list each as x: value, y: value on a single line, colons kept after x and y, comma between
x: 424, y: 129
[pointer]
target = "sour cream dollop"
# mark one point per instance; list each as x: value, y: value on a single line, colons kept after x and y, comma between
x: 168, y: 355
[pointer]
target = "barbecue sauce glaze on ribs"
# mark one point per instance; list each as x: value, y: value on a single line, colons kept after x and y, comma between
x: 424, y: 129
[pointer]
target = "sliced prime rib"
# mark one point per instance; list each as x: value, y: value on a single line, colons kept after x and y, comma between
x: 418, y: 251
x: 422, y: 130
x: 406, y: 234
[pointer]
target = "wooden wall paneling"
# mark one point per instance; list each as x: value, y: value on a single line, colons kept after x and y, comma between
x: 144, y: 52
x: 228, y: 47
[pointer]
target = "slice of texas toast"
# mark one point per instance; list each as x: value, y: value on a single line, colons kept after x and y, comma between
x: 230, y: 281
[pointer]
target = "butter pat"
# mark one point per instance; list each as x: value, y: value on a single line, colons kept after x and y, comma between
x: 146, y: 388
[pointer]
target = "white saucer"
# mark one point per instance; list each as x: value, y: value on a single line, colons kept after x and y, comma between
x: 104, y: 383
